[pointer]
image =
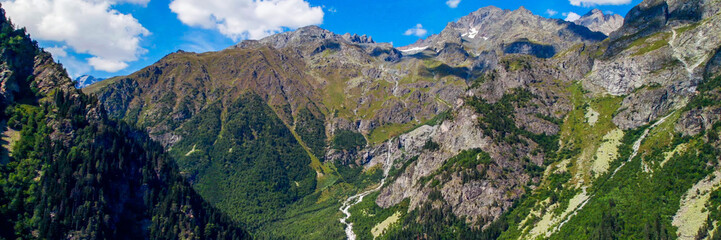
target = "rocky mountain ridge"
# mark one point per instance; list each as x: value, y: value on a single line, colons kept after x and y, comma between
x: 509, y: 124
x: 491, y: 29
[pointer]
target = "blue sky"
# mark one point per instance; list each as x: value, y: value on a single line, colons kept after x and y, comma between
x: 108, y: 38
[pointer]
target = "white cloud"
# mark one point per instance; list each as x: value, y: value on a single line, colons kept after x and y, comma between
x: 85, y: 26
x: 417, y: 31
x: 453, y: 3
x: 590, y: 3
x: 139, y: 2
x: 107, y: 64
x: 57, y: 51
x: 571, y: 16
x: 247, y: 18
x: 551, y: 12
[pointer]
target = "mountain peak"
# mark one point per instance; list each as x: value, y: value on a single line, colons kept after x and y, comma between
x: 598, y: 21
x: 488, y: 9
x: 593, y: 12
x: 86, y: 80
x: 523, y: 9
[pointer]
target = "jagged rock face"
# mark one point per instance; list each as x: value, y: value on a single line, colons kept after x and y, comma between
x: 698, y: 120
x: 47, y: 76
x: 15, y: 71
x: 461, y: 134
x: 597, y: 21
x: 713, y: 68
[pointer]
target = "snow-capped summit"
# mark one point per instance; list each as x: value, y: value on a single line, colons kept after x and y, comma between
x: 86, y: 80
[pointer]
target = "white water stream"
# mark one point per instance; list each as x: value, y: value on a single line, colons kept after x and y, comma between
x: 678, y: 54
x: 637, y: 144
x: 355, y: 199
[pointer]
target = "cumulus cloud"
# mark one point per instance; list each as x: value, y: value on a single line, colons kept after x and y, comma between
x: 417, y: 31
x: 551, y: 12
x: 453, y: 3
x: 57, y: 51
x: 85, y: 26
x: 571, y: 16
x: 591, y: 3
x: 243, y: 19
x: 139, y: 2
x: 107, y: 65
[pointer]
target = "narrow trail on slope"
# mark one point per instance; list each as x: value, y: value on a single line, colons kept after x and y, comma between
x: 355, y: 199
x: 636, y: 146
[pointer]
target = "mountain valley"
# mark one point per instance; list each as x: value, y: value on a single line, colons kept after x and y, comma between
x: 505, y: 125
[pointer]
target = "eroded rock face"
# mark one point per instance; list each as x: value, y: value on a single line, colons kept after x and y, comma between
x: 645, y: 105
x: 656, y: 59
x: 47, y: 76
x: 695, y: 121
x: 460, y: 134
x: 8, y: 86
x: 713, y: 68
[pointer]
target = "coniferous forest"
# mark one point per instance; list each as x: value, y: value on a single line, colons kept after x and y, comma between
x: 73, y: 173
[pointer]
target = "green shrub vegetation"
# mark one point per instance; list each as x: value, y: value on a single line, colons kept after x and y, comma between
x: 466, y: 163
x: 109, y: 184
x: 430, y: 145
x: 497, y: 120
x: 704, y: 98
x: 367, y: 214
x: 348, y: 140
x: 311, y: 129
x: 634, y: 204
x: 244, y: 161
x: 429, y: 222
